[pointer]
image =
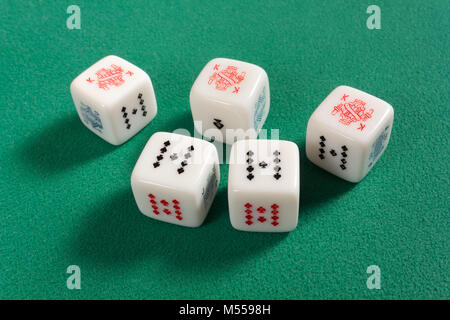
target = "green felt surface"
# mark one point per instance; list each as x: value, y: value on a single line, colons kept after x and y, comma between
x: 66, y: 196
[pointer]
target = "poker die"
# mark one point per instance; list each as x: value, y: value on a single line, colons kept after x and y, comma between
x: 348, y: 132
x: 176, y: 178
x: 230, y: 100
x: 114, y: 99
x: 264, y: 185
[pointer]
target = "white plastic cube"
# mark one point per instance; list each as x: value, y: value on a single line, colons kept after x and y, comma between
x: 348, y: 132
x: 230, y: 100
x: 176, y: 178
x: 114, y: 99
x: 264, y: 185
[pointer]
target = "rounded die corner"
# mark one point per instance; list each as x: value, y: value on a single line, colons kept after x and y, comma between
x: 194, y: 225
x: 291, y: 145
x: 134, y: 178
x: 117, y: 142
x: 390, y: 109
x: 315, y: 116
x: 356, y: 179
x: 193, y: 92
x: 154, y: 137
x: 146, y: 79
x: 75, y: 84
x: 265, y: 76
x: 343, y: 87
x: 236, y: 226
x: 213, y: 60
x: 112, y: 56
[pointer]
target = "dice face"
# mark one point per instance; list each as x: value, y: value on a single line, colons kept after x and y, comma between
x: 176, y: 178
x: 114, y: 99
x: 348, y: 132
x: 264, y: 185
x: 230, y: 100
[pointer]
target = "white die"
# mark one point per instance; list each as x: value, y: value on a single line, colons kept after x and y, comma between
x: 114, y: 99
x: 264, y: 185
x: 176, y: 178
x: 230, y: 95
x: 348, y: 132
